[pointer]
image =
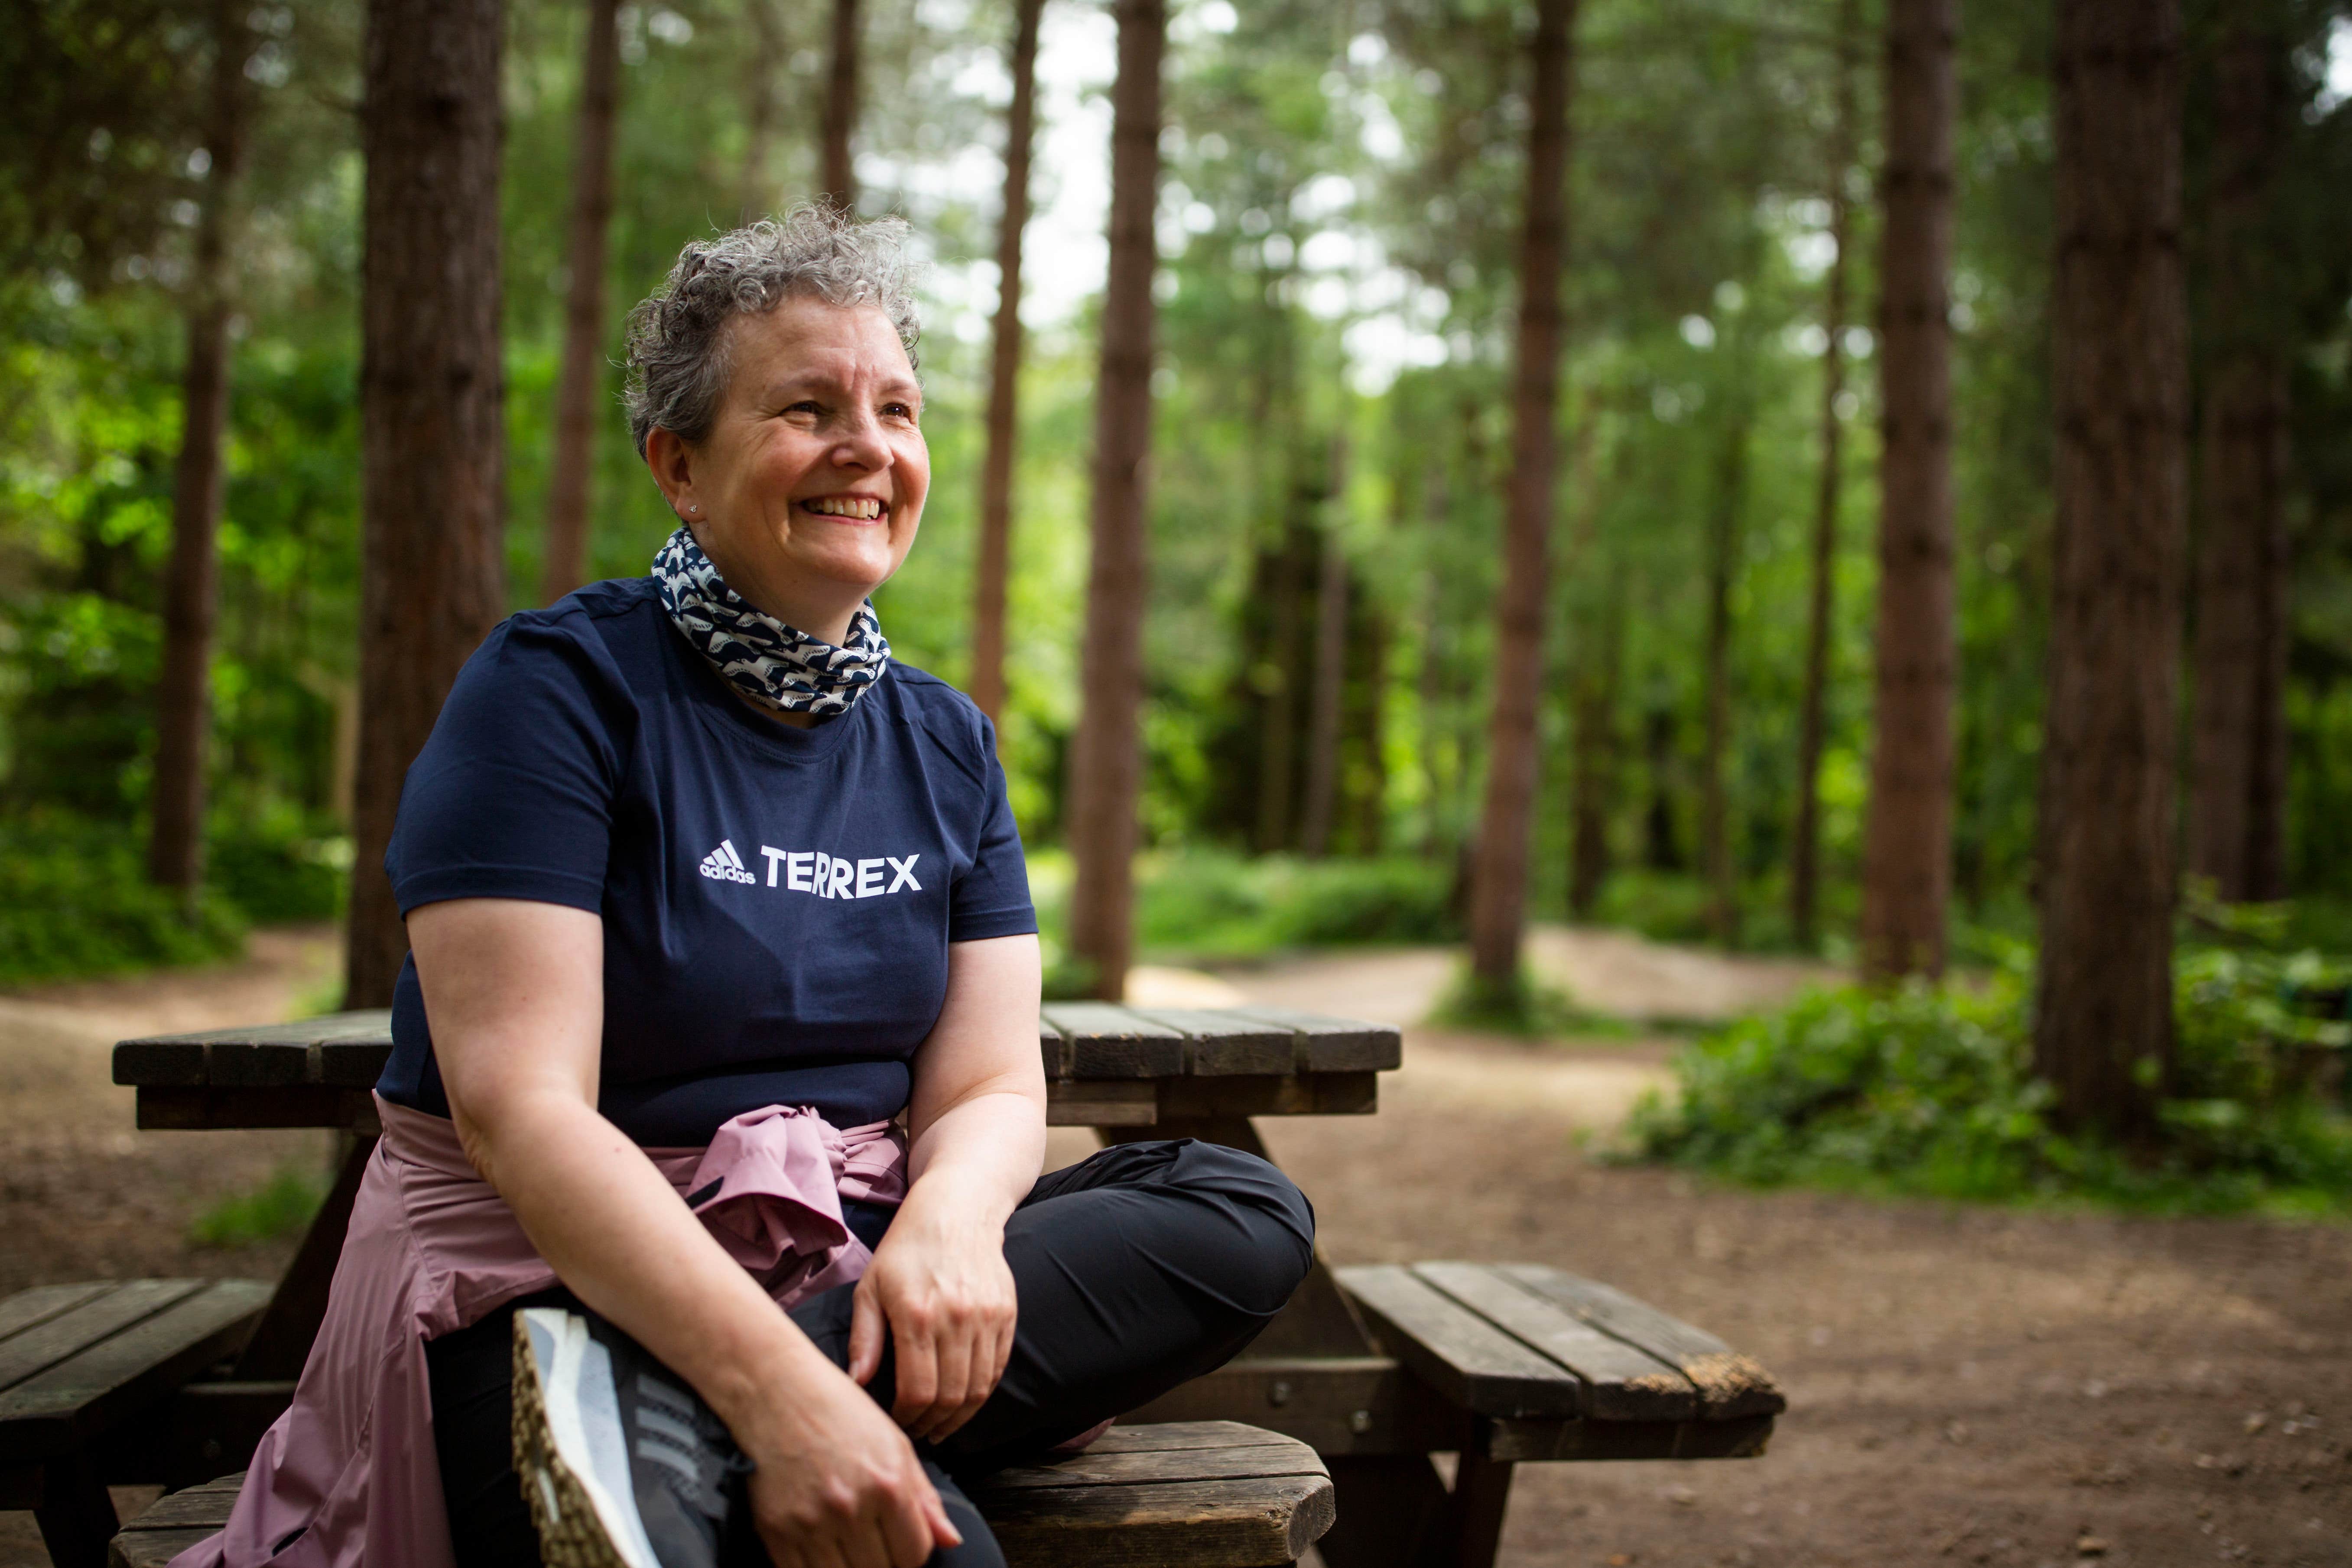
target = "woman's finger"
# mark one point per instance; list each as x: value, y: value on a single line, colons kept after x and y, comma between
x: 866, y: 1334
x: 906, y: 1529
x: 934, y: 1511
x: 955, y: 1358
x: 917, y: 1373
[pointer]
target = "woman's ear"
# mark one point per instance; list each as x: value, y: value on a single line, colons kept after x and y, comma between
x: 672, y: 463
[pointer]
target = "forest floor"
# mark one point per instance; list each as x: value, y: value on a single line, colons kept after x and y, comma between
x: 1967, y: 1385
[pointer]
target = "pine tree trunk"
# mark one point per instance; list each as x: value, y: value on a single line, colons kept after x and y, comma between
x: 1107, y: 754
x: 565, y: 564
x: 1592, y: 682
x: 1499, y: 873
x: 841, y: 109
x: 1330, y: 686
x: 1907, y: 876
x: 2103, y: 1008
x: 1278, y: 748
x: 1804, y: 857
x: 754, y: 197
x: 1715, y: 786
x: 433, y: 442
x: 994, y: 566
x: 2237, y: 775
x: 192, y: 589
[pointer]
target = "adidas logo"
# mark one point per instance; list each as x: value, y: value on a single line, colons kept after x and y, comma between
x: 723, y: 865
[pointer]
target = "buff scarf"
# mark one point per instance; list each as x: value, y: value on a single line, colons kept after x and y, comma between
x: 776, y: 667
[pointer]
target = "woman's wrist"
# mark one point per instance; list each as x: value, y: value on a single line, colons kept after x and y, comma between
x: 748, y: 1385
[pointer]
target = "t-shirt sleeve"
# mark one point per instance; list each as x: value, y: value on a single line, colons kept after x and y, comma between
x: 512, y: 796
x: 992, y: 898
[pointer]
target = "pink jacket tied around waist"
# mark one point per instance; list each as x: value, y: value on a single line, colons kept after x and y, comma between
x: 348, y: 1476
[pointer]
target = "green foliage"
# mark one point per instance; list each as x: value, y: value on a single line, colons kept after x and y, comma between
x: 74, y: 901
x: 1203, y: 906
x: 1523, y: 1005
x: 1929, y: 1090
x: 275, y: 875
x: 281, y: 1206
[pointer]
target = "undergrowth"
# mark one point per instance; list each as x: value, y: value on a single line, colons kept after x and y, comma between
x: 1929, y: 1090
x: 281, y: 1206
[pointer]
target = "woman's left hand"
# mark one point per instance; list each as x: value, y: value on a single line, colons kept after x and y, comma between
x: 941, y: 1282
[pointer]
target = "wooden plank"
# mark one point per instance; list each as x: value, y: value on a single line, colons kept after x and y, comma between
x: 1313, y: 1094
x: 352, y: 1064
x: 1729, y: 1384
x: 1281, y: 1457
x: 1325, y: 1044
x: 1335, y: 1405
x: 1737, y: 1438
x: 1464, y: 1357
x: 1110, y: 1041
x: 206, y: 1426
x: 30, y: 1308
x: 37, y: 1349
x: 1219, y: 1042
x: 366, y: 1024
x: 1102, y: 1103
x: 283, y: 1105
x: 1253, y: 1523
x: 198, y: 1508
x: 1621, y: 1382
x: 1053, y: 1049
x: 155, y: 1548
x: 84, y: 1395
x: 1162, y: 1436
x: 258, y: 1064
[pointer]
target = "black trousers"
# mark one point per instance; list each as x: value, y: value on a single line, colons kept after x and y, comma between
x: 1138, y: 1269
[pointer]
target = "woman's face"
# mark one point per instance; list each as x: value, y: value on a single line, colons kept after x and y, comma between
x: 807, y: 493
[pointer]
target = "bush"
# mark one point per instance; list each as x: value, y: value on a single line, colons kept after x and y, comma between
x: 281, y: 1206
x: 74, y: 901
x: 1929, y: 1090
x: 1202, y: 906
x: 280, y: 872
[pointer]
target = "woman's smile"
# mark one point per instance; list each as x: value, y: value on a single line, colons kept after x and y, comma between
x: 848, y: 508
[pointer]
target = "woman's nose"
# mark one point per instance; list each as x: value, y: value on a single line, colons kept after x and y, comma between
x: 861, y: 445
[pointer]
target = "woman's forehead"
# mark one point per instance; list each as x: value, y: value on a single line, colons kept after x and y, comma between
x: 804, y: 338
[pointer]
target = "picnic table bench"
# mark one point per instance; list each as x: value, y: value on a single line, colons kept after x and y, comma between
x: 1375, y: 1369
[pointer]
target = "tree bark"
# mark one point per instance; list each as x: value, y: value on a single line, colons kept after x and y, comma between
x: 753, y: 195
x: 1499, y: 874
x: 994, y: 566
x: 1107, y: 753
x: 1804, y: 857
x: 1715, y: 786
x: 1906, y: 879
x: 841, y: 109
x: 175, y: 847
x: 565, y: 564
x: 2238, y: 774
x: 2103, y: 1032
x: 1330, y: 686
x: 1593, y: 683
x: 432, y: 439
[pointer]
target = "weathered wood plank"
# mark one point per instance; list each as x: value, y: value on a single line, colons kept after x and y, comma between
x: 1101, y: 1103
x: 1464, y: 1356
x: 1318, y: 1094
x: 259, y: 1064
x: 1325, y: 1044
x: 37, y: 1349
x: 1053, y: 1048
x: 1279, y: 1457
x: 1729, y: 1384
x: 1221, y: 1043
x: 1621, y: 1382
x: 1163, y: 1437
x: 155, y: 1548
x: 1335, y: 1404
x: 1202, y: 1524
x: 173, y: 1523
x: 1111, y: 1041
x: 89, y: 1391
x: 1736, y: 1437
x: 282, y: 1105
x: 30, y: 1308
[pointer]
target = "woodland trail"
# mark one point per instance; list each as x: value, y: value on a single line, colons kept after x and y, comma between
x: 1968, y: 1385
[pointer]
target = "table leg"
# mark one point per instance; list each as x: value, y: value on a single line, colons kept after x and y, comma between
x: 1391, y: 1513
x: 74, y: 1514
x: 281, y: 1340
x: 1482, y: 1489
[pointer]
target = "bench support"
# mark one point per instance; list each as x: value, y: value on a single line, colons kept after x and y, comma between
x: 75, y: 1513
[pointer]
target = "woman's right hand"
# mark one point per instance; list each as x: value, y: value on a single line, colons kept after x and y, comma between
x: 837, y: 1483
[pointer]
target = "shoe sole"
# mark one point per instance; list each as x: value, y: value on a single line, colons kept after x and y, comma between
x: 581, y: 1524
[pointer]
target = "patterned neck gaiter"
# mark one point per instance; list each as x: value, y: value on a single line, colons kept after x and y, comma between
x: 778, y: 668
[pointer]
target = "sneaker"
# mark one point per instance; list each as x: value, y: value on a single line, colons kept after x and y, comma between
x: 622, y: 1464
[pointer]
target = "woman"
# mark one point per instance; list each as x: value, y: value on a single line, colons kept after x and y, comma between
x: 706, y: 896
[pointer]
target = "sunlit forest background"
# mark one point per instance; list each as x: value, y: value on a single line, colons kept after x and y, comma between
x: 1337, y: 226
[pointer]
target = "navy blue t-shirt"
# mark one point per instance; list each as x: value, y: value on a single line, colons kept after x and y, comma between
x: 777, y: 902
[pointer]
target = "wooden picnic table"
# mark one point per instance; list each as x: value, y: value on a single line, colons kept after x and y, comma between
x: 1376, y: 1368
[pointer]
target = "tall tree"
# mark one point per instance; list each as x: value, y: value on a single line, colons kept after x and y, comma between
x: 2102, y: 1030
x: 753, y: 195
x: 1597, y: 656
x: 432, y: 387
x: 1330, y: 684
x: 1805, y: 851
x: 565, y: 564
x: 1906, y: 875
x: 1498, y: 885
x: 2237, y: 802
x: 1723, y: 550
x: 1107, y: 753
x: 841, y: 108
x: 994, y: 566
x: 192, y: 588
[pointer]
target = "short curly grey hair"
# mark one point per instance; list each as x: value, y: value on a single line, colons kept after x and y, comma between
x: 677, y: 360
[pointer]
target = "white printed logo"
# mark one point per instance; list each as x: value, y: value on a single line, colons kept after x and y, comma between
x: 723, y: 865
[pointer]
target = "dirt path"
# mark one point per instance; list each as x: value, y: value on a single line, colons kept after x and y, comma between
x: 1967, y: 1387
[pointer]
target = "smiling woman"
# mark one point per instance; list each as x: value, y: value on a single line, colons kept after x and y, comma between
x: 662, y: 1066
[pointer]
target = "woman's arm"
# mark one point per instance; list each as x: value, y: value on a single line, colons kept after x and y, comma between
x: 515, y: 991
x: 978, y: 1124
